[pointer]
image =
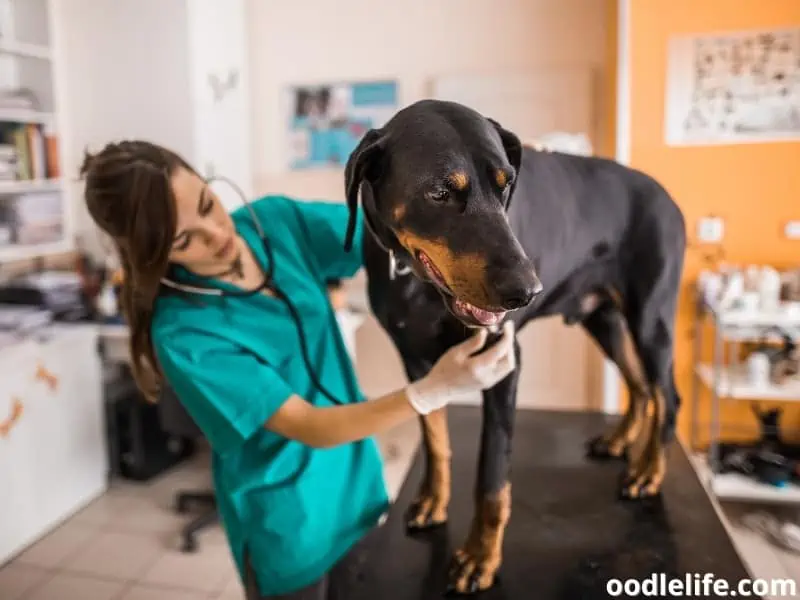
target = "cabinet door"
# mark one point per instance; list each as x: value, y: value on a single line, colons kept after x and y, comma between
x: 72, y: 468
x: 221, y: 96
x: 19, y: 448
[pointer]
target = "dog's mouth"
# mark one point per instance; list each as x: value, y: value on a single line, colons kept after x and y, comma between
x: 469, y: 314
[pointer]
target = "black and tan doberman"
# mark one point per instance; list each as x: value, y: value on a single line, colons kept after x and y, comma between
x: 467, y: 227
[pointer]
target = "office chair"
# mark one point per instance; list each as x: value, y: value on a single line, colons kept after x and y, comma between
x: 177, y: 421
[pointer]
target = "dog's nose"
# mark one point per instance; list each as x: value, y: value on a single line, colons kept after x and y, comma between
x: 518, y: 293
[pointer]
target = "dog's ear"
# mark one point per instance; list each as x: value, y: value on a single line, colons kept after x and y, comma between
x: 361, y: 164
x: 513, y: 147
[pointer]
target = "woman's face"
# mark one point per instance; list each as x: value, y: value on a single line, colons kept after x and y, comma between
x: 205, y: 237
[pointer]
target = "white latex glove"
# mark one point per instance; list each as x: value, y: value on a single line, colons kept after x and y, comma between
x: 456, y: 373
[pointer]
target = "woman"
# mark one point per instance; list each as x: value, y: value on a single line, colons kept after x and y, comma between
x: 298, y: 477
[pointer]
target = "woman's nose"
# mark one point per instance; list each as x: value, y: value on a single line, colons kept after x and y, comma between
x: 215, y: 234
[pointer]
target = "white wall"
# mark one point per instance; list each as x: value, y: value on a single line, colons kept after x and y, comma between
x: 125, y: 74
x: 413, y: 41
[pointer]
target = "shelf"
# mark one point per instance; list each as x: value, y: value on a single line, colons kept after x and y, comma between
x: 30, y: 186
x: 736, y: 487
x: 23, y: 115
x: 733, y: 486
x: 786, y: 316
x: 26, y: 50
x: 14, y: 252
x: 734, y: 384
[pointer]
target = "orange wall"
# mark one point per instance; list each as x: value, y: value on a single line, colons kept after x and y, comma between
x: 755, y: 188
x: 608, y: 120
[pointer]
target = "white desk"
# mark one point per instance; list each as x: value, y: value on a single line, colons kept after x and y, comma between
x: 115, y: 337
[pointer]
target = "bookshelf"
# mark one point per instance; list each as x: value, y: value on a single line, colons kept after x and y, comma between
x: 35, y: 217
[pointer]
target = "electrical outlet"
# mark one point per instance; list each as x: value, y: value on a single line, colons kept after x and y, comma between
x: 792, y: 230
x: 710, y: 230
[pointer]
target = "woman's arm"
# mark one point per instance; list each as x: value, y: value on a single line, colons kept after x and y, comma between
x: 458, y: 372
x: 334, y: 425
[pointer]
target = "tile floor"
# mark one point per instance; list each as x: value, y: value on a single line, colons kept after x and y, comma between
x: 96, y: 557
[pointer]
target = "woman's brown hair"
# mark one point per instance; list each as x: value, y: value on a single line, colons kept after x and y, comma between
x: 129, y: 197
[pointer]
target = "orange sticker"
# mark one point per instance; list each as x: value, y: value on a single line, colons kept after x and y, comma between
x: 43, y: 374
x: 14, y: 417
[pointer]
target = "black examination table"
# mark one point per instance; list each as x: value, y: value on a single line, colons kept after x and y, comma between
x: 568, y: 534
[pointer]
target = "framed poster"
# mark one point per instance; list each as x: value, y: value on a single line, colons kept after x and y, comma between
x: 327, y: 121
x: 734, y: 87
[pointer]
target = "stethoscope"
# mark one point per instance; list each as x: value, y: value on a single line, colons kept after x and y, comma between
x: 268, y: 283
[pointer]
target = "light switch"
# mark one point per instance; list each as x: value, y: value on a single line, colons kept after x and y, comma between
x: 792, y: 230
x: 710, y: 230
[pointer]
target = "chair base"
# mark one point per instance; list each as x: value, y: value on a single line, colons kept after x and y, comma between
x: 207, y: 518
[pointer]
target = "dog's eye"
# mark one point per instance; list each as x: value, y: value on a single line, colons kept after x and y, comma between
x: 438, y: 195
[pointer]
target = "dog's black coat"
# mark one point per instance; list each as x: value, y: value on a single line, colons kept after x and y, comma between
x: 582, y: 225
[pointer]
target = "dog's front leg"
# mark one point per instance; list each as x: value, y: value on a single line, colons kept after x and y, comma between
x: 429, y: 508
x: 476, y: 563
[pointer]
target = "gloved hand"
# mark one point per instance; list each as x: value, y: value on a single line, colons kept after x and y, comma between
x: 456, y: 373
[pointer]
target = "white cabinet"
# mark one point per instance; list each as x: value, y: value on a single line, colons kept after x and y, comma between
x: 174, y: 73
x: 53, y: 457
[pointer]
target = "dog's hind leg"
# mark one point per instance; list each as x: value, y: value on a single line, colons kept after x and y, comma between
x: 608, y: 327
x: 652, y: 325
x: 647, y: 470
x: 429, y: 508
x: 476, y: 563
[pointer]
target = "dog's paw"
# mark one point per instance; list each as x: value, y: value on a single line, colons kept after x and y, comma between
x: 644, y: 479
x: 601, y: 448
x: 427, y: 512
x: 470, y: 574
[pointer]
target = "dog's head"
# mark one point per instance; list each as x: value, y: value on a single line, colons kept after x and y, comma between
x: 436, y: 183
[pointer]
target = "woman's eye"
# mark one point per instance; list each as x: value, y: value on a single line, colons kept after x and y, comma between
x: 183, y: 244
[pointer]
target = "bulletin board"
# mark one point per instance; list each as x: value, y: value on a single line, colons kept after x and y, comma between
x: 326, y: 121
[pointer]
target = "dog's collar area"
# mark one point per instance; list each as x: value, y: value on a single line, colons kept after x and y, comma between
x: 396, y: 268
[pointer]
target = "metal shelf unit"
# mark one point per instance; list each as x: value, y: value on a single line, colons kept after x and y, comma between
x: 730, y: 382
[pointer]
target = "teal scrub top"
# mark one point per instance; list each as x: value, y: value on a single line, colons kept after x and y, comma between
x: 233, y: 361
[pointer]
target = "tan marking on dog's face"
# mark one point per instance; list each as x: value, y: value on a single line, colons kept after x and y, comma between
x: 459, y: 180
x: 399, y: 212
x: 501, y: 178
x: 464, y: 274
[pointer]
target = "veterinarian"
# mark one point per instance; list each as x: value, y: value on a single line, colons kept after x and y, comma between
x: 231, y: 311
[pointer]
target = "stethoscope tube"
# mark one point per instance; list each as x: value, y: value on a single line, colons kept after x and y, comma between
x: 268, y: 283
